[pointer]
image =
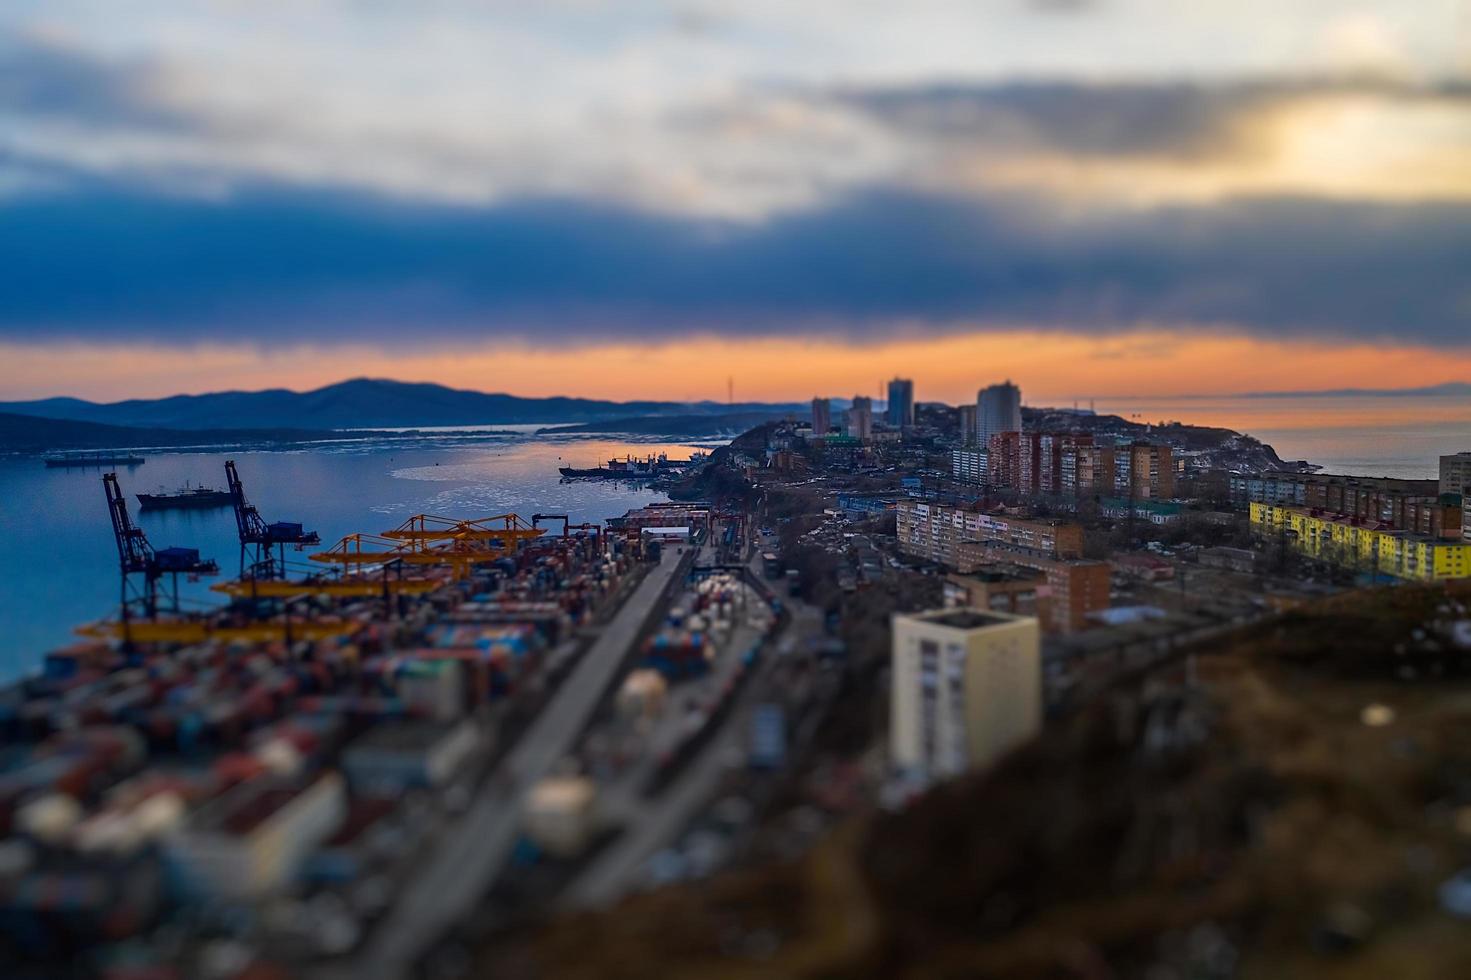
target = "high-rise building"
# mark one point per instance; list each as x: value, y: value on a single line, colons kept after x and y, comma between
x: 1455, y: 472
x: 966, y: 687
x: 1029, y: 463
x: 901, y: 403
x: 998, y: 409
x: 860, y: 418
x: 1054, y: 448
x: 1144, y: 471
x: 969, y: 435
x: 1003, y: 459
x: 1087, y: 470
x: 822, y: 416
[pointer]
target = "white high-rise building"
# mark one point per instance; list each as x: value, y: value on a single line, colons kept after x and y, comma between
x: 998, y: 409
x: 1455, y: 472
x: 966, y: 687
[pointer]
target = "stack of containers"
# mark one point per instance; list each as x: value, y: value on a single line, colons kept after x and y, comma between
x: 504, y: 653
x: 678, y: 652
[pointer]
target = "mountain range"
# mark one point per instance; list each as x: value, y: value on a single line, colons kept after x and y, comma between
x: 361, y: 403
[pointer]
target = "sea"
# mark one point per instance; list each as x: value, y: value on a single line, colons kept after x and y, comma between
x: 60, y: 564
x: 1364, y: 435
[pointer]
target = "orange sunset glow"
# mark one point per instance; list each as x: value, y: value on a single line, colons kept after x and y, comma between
x: 1058, y: 368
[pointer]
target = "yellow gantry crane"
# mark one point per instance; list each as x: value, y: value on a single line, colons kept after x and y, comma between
x: 501, y: 534
x: 333, y: 588
x: 198, y: 630
x: 425, y: 539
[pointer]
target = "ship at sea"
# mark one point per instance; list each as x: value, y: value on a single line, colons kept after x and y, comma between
x: 629, y: 468
x: 94, y: 459
x: 185, y: 498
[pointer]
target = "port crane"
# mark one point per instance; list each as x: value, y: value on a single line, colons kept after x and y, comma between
x: 258, y: 537
x: 425, y: 539
x: 567, y: 526
x: 498, y: 536
x: 138, y: 559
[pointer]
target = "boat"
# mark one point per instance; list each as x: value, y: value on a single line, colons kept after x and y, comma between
x: 630, y: 468
x: 186, y: 498
x: 93, y: 459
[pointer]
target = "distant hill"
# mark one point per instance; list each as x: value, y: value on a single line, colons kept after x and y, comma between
x: 360, y: 403
x: 29, y: 433
x: 1454, y: 389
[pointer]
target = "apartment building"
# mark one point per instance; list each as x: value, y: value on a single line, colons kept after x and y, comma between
x: 969, y: 426
x: 1418, y: 506
x: 1003, y: 454
x: 968, y: 465
x: 966, y: 540
x: 1455, y: 472
x: 1086, y: 470
x: 1052, y: 449
x: 1365, y: 545
x: 860, y: 418
x: 822, y: 416
x: 966, y: 687
x: 1144, y: 470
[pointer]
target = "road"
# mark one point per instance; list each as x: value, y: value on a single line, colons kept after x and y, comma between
x: 473, y: 851
x: 650, y: 826
x: 654, y: 825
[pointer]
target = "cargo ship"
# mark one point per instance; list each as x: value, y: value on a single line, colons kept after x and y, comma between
x: 185, y: 498
x: 629, y: 468
x: 93, y: 459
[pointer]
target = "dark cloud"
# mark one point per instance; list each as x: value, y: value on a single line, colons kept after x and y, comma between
x: 274, y: 269
x: 1183, y: 120
x: 42, y: 80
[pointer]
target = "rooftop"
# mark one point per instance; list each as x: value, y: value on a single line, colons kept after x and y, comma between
x: 965, y: 619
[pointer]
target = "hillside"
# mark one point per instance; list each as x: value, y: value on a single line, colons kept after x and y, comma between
x: 359, y: 403
x: 27, y: 433
x: 1245, y: 817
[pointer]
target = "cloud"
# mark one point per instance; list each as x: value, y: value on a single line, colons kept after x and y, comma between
x: 1127, y: 144
x: 759, y: 112
x: 270, y: 268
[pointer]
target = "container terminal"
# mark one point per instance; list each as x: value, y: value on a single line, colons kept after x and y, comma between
x: 364, y: 742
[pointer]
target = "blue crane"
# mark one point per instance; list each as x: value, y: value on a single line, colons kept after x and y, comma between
x: 136, y: 557
x: 260, y: 538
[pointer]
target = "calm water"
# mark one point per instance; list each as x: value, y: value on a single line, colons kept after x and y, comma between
x: 1369, y: 436
x: 60, y: 562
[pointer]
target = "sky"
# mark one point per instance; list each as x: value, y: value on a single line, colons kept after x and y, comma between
x: 1096, y: 198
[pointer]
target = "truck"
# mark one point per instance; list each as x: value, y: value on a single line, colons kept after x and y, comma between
x: 770, y: 565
